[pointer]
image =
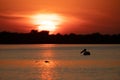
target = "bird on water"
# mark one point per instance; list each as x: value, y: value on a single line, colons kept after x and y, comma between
x: 46, y: 61
x: 85, y: 52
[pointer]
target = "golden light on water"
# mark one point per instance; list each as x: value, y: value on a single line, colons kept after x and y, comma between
x: 47, y: 65
x: 47, y: 70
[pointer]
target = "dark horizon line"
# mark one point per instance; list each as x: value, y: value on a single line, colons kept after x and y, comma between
x: 36, y: 31
x: 43, y: 37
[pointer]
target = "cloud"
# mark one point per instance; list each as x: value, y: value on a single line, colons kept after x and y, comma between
x: 11, y: 17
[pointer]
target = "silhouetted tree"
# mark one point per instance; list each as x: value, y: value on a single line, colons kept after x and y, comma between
x: 34, y: 31
x: 35, y: 37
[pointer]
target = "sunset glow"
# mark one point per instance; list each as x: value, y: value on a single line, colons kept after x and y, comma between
x: 60, y: 16
x: 48, y: 22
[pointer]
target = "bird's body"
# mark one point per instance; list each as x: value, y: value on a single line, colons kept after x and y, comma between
x: 85, y: 52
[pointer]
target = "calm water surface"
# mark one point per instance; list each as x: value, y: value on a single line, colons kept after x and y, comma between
x: 27, y: 62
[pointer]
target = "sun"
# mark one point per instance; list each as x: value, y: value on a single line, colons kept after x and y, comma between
x: 47, y: 25
x: 48, y: 22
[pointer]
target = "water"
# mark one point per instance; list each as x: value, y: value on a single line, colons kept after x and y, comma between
x: 27, y: 62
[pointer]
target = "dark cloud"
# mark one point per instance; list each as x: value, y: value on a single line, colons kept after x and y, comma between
x: 11, y: 17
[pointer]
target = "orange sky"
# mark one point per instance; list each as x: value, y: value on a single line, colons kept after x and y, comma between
x: 81, y: 16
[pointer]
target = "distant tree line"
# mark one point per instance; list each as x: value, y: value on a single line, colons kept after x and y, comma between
x: 43, y: 37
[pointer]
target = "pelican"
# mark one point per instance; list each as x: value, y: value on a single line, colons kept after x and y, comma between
x: 85, y: 52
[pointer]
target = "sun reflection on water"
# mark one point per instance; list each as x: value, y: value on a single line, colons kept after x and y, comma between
x: 47, y: 66
x: 47, y: 70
